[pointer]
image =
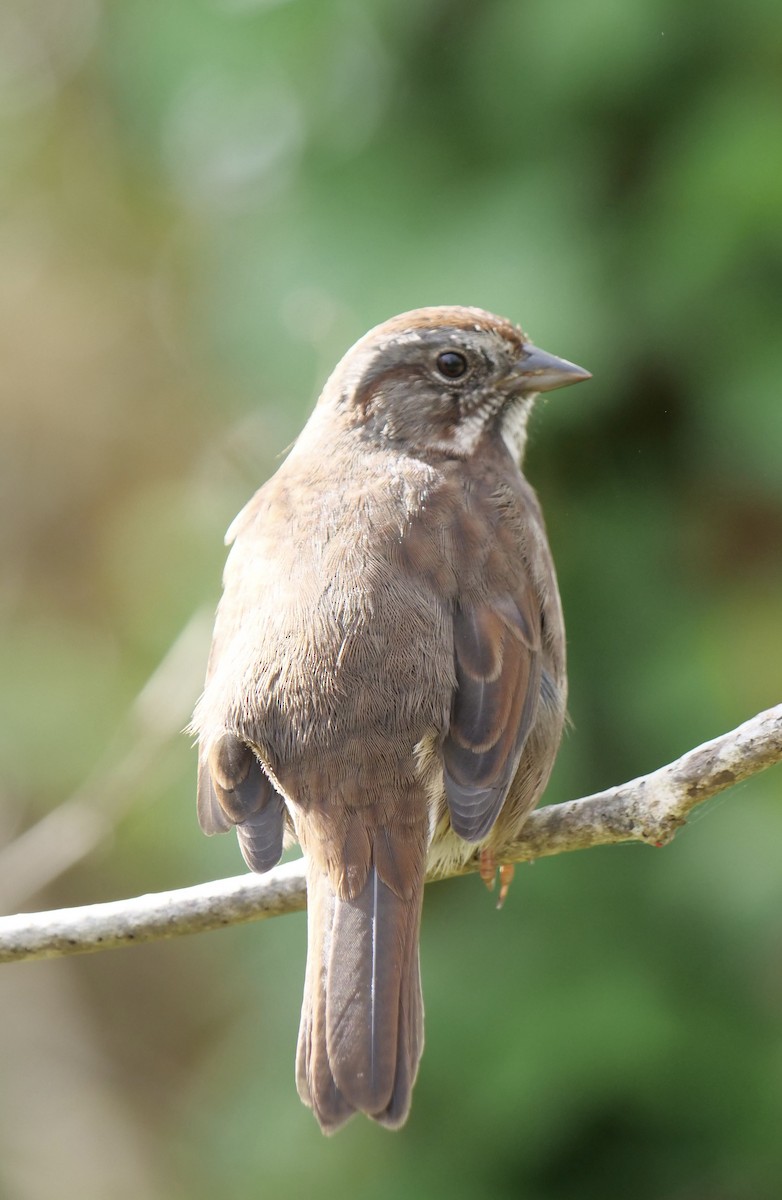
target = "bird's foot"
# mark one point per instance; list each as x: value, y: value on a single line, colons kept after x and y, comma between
x: 488, y: 871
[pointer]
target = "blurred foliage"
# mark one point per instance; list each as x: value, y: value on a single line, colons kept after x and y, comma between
x: 203, y: 203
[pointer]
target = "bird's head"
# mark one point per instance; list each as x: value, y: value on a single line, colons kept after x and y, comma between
x: 439, y: 380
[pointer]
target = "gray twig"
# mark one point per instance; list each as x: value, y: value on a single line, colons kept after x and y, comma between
x: 649, y: 809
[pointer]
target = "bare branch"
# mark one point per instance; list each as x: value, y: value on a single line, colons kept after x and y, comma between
x: 649, y: 809
x: 654, y: 807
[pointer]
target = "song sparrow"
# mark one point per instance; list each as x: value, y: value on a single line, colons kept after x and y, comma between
x: 387, y: 677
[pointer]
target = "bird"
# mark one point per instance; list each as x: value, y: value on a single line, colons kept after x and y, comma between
x: 387, y: 682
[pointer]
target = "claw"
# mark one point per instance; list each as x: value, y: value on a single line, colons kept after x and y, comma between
x: 488, y: 872
x: 506, y: 879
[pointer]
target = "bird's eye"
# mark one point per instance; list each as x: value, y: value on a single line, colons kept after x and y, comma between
x: 451, y: 364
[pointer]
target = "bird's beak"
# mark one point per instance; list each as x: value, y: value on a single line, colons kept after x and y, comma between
x: 538, y: 371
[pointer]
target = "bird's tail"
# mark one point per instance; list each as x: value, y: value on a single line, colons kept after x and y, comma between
x: 361, y: 1033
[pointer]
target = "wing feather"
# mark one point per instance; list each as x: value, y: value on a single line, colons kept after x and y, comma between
x: 498, y: 669
x: 234, y: 789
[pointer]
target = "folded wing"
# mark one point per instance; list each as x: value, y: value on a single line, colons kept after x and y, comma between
x: 498, y: 669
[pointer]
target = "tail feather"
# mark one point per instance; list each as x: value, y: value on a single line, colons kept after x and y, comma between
x: 314, y: 1077
x: 361, y: 1033
x: 410, y: 1045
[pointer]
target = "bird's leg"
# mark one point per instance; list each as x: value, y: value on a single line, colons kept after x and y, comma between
x: 488, y: 871
x: 506, y: 879
x: 487, y: 868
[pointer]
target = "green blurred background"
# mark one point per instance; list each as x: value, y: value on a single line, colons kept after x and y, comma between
x: 204, y: 202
